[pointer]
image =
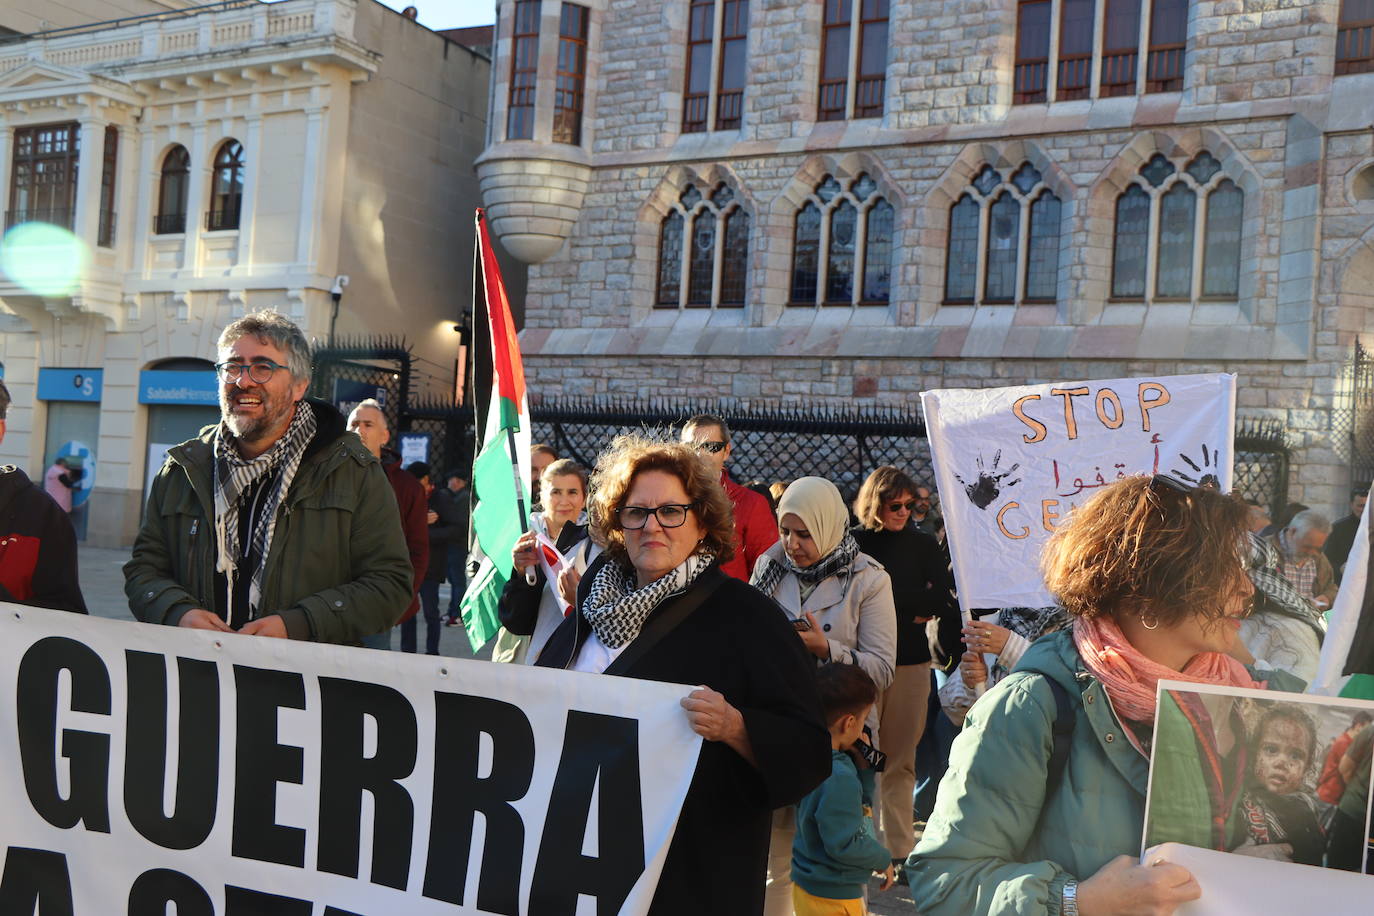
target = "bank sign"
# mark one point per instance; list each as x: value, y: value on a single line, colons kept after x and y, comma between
x: 195, y: 387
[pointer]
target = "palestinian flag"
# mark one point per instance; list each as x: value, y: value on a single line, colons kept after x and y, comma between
x: 500, y: 512
x: 1347, y: 665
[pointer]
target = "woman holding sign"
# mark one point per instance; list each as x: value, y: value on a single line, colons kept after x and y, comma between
x: 531, y: 607
x: 1043, y: 806
x: 655, y: 605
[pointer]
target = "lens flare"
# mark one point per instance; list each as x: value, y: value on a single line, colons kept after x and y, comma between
x: 44, y: 259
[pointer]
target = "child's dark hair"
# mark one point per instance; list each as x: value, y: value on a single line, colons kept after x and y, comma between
x: 844, y: 690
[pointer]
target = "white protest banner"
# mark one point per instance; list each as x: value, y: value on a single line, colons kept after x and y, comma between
x: 243, y: 776
x: 1242, y: 886
x: 1011, y: 462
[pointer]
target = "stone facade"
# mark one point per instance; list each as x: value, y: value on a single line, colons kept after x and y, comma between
x: 1258, y: 94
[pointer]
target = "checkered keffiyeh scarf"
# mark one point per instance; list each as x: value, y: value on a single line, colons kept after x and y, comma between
x: 617, y: 610
x: 233, y: 476
x: 840, y: 559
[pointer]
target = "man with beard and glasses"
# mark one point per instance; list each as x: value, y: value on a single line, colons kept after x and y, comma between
x: 276, y: 521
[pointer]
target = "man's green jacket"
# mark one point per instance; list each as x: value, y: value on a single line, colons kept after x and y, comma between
x: 337, y: 568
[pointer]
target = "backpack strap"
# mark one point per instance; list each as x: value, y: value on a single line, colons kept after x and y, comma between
x: 1064, y: 720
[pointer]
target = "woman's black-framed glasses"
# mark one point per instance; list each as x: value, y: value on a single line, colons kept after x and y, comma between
x: 259, y: 373
x: 1162, y: 482
x: 669, y: 515
x: 898, y: 507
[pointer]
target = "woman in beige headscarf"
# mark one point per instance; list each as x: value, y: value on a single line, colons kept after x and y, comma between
x: 840, y: 602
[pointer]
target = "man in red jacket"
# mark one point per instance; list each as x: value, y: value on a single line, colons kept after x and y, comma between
x: 755, y: 528
x: 369, y: 422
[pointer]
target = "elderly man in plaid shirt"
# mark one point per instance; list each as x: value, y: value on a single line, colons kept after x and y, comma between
x: 1301, y: 560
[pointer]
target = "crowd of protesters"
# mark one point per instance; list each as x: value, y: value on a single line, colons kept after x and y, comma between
x: 817, y: 635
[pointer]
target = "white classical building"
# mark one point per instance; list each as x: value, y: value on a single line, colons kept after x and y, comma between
x: 211, y: 160
x: 849, y: 201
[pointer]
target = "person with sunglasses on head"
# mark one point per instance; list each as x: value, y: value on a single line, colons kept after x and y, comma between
x: 276, y: 521
x: 921, y: 593
x: 840, y: 601
x: 656, y: 605
x: 755, y: 530
x: 1152, y: 573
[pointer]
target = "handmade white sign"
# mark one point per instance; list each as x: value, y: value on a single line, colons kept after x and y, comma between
x: 144, y: 765
x: 1011, y: 463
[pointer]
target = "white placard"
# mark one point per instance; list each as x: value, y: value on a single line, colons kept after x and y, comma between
x: 1241, y: 886
x: 238, y: 775
x: 1011, y: 463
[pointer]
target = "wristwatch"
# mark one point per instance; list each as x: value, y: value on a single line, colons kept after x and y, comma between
x: 1069, y: 902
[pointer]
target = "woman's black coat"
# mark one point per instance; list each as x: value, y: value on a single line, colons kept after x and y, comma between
x: 739, y: 643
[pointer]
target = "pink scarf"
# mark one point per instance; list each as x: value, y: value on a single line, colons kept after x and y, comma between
x: 1130, y: 678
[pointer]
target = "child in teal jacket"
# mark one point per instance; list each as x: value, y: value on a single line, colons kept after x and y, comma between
x: 834, y: 849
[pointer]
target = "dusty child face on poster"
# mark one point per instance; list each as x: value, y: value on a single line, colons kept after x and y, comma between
x: 1284, y: 746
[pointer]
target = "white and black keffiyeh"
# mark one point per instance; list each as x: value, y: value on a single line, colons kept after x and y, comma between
x: 841, y: 558
x: 234, y: 476
x: 617, y: 610
x: 1274, y: 593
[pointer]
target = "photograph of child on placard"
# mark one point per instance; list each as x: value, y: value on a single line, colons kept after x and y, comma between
x: 1239, y: 771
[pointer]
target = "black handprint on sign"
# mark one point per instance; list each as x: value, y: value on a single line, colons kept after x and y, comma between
x: 1204, y: 475
x: 990, y: 481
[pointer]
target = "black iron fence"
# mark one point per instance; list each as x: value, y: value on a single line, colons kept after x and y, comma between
x: 1354, y: 422
x: 1261, y: 465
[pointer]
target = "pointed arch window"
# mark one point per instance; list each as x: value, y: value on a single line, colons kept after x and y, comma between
x: 710, y: 236
x: 226, y: 190
x: 842, y: 245
x: 1018, y: 219
x: 1185, y: 223
x: 172, y: 192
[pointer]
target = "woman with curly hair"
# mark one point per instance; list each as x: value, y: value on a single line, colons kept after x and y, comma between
x: 1152, y: 573
x: 656, y: 606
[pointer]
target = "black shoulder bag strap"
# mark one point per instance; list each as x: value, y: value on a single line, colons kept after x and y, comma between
x: 666, y: 619
x: 1063, y: 736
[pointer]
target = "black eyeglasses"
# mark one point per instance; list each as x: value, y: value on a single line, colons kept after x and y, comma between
x: 260, y: 372
x: 898, y: 507
x: 715, y: 448
x: 669, y: 515
x: 1170, y: 483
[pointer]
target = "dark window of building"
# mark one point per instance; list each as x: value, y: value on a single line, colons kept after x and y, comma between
x: 1031, y: 74
x: 1042, y: 261
x: 572, y: 75
x: 1177, y: 213
x: 1168, y: 41
x: 172, y: 192
x: 696, y: 99
x: 524, y: 71
x: 1221, y: 249
x: 871, y: 84
x: 43, y: 175
x: 806, y: 249
x: 109, y: 164
x: 961, y: 265
x: 1132, y: 245
x: 226, y: 190
x: 715, y: 235
x: 734, y: 38
x: 1355, y: 37
x: 1004, y: 234
x: 1075, y: 49
x: 670, y: 260
x: 846, y: 216
x: 834, y: 88
x: 1120, y: 48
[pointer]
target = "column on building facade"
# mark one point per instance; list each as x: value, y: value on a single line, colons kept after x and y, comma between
x: 252, y: 142
x: 202, y: 172
x: 308, y: 224
x: 6, y: 144
x: 145, y: 190
x: 86, y: 221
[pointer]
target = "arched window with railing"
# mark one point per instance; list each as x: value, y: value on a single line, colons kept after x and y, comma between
x: 226, y: 189
x: 1185, y: 223
x: 173, y: 190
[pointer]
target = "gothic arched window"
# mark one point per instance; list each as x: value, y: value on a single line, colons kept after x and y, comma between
x: 842, y: 245
x: 1019, y: 219
x: 710, y: 236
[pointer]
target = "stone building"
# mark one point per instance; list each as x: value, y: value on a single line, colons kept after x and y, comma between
x: 848, y: 203
x: 197, y: 162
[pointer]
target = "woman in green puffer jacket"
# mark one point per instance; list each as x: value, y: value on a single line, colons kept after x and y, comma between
x: 1152, y: 572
